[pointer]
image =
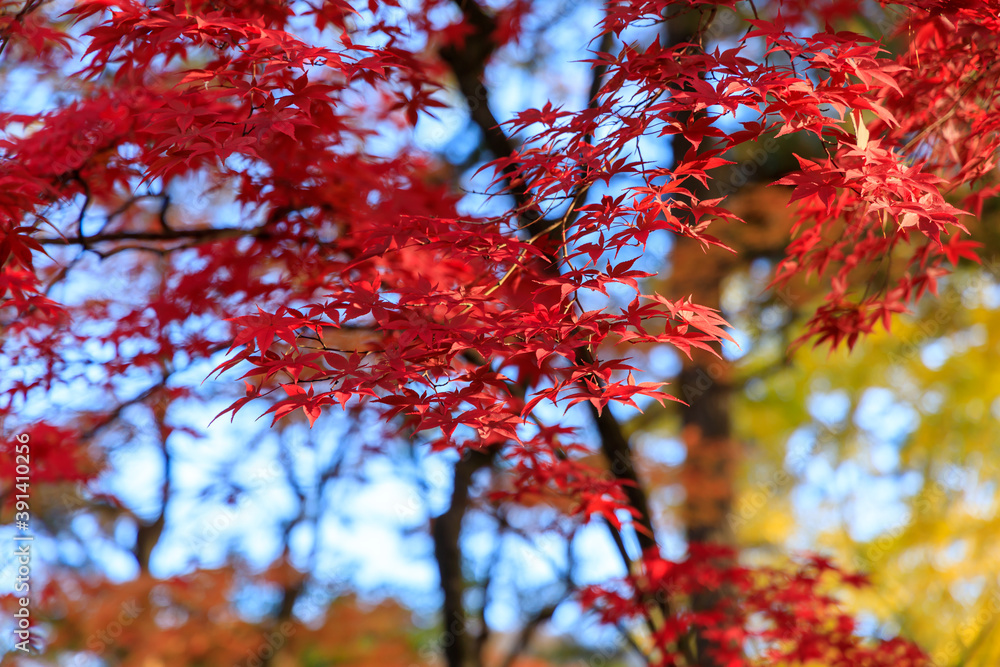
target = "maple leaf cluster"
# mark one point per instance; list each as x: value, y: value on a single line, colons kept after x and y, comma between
x: 786, y: 614
x: 346, y: 276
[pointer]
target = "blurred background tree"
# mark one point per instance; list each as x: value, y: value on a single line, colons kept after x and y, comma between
x: 168, y: 543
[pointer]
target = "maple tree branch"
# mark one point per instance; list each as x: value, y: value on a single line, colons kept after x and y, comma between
x: 527, y: 632
x: 162, y: 215
x: 530, y: 629
x: 83, y: 208
x: 707, y: 411
x: 944, y: 117
x: 29, y: 7
x: 484, y: 633
x: 148, y: 534
x: 617, y: 450
x: 292, y: 589
x: 109, y: 418
x: 467, y: 65
x: 581, y: 189
x: 445, y: 531
x: 616, y: 536
x: 210, y: 234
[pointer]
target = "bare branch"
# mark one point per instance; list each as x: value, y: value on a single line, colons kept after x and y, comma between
x: 446, y: 530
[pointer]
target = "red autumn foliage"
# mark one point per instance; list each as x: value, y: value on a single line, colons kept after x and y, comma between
x: 55, y: 456
x: 474, y: 323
